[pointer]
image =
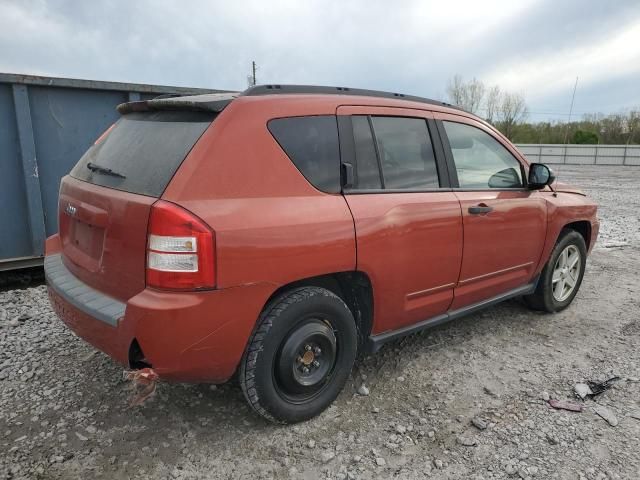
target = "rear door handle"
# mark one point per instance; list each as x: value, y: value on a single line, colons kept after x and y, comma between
x: 480, y: 209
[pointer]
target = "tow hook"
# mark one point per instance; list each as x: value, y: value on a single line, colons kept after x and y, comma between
x: 143, y: 384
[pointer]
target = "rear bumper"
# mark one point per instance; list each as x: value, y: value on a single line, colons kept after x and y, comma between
x: 185, y: 336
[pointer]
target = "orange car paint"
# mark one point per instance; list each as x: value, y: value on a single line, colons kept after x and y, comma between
x: 422, y: 252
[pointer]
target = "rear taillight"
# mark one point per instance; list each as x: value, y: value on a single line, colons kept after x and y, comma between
x: 180, y: 250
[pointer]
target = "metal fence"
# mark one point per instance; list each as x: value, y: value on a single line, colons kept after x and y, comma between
x: 46, y: 124
x: 582, y: 154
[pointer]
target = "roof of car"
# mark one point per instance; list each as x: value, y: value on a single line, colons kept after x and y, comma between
x: 216, y: 102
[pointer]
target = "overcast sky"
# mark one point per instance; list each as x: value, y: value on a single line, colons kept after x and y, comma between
x: 535, y: 47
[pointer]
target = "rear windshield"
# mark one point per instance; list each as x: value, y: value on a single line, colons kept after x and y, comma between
x: 143, y: 151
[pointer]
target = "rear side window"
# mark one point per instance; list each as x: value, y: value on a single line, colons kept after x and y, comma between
x: 312, y: 145
x: 143, y: 151
x: 405, y: 152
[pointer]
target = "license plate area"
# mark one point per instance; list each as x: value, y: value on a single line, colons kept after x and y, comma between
x: 82, y: 231
x: 87, y: 238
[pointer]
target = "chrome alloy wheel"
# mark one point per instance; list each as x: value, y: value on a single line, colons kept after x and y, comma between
x: 566, y: 273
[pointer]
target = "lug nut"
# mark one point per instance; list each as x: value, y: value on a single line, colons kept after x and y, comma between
x: 316, y: 363
x: 305, y: 370
x: 307, y: 348
x: 317, y: 350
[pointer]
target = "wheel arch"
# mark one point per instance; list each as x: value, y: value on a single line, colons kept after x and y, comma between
x: 353, y: 287
x: 583, y: 227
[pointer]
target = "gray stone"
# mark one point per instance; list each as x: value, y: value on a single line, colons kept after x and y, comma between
x: 606, y: 414
x: 327, y: 456
x: 479, y: 423
x: 467, y: 441
x: 363, y: 390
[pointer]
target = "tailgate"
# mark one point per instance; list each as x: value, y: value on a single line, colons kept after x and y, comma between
x: 106, y: 200
x: 104, y: 236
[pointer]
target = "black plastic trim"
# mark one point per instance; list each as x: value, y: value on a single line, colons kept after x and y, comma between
x: 85, y: 298
x: 211, y: 102
x: 448, y: 155
x: 377, y: 149
x: 519, y: 189
x: 346, y: 175
x: 329, y: 90
x: 396, y: 190
x: 441, y: 161
x: 376, y: 341
x: 347, y: 146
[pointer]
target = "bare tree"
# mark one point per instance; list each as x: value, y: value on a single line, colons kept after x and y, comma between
x: 502, y: 108
x: 466, y: 95
x: 474, y: 94
x: 513, y: 110
x: 492, y: 104
x: 455, y: 90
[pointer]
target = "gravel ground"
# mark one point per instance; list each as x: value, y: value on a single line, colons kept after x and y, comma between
x: 465, y: 400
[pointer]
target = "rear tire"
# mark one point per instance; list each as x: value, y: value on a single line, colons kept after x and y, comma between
x: 299, y: 356
x: 562, y: 276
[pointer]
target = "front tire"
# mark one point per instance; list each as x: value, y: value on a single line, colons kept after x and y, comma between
x: 299, y: 356
x: 562, y: 276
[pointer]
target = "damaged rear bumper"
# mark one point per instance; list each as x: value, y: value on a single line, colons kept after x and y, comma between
x: 184, y: 336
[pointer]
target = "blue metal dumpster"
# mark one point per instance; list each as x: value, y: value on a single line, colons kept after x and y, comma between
x: 46, y: 124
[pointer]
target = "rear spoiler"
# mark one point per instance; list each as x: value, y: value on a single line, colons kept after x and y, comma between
x: 210, y: 102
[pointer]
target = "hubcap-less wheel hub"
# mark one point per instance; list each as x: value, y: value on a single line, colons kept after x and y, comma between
x: 566, y: 272
x: 307, y: 358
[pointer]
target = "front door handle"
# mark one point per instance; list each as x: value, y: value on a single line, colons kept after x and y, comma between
x: 480, y: 209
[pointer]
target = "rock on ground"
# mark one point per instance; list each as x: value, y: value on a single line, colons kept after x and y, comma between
x: 63, y: 409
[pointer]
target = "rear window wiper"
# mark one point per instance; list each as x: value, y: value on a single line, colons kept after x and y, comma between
x: 107, y: 171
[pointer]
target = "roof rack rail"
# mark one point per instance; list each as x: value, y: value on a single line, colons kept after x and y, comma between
x: 324, y: 90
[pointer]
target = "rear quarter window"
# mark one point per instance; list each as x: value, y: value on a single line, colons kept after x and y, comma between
x: 312, y: 145
x: 143, y: 150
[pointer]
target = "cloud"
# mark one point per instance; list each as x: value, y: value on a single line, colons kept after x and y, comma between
x: 616, y: 55
x: 533, y: 46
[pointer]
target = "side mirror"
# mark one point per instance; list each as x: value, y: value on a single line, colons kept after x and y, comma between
x: 507, y: 178
x: 540, y: 176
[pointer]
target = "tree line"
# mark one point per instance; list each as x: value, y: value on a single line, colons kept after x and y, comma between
x: 508, y: 112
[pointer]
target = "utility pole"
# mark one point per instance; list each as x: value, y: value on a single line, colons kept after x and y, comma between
x: 566, y: 132
x: 253, y: 67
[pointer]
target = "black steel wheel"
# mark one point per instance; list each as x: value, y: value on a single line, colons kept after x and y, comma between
x: 306, y: 360
x: 300, y: 355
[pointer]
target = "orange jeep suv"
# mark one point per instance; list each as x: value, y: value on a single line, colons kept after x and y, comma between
x: 277, y: 232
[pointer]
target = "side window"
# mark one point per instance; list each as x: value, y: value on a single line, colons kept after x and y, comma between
x: 312, y: 145
x: 367, y: 173
x: 405, y: 152
x: 481, y: 161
